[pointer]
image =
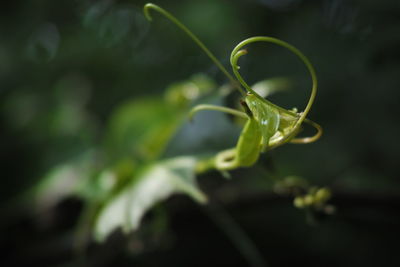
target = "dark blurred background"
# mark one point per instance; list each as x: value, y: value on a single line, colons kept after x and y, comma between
x: 65, y: 66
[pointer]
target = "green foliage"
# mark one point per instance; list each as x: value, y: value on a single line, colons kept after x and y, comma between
x: 131, y: 173
x: 68, y: 179
x: 126, y: 174
x: 154, y: 183
x: 267, y: 118
x: 245, y: 153
x: 141, y: 128
x: 92, y: 100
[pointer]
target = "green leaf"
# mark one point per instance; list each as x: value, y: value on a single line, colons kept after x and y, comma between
x: 246, y: 152
x: 156, y: 183
x: 267, y: 117
x: 142, y: 128
x: 248, y: 148
x: 64, y: 180
x: 288, y: 120
x: 277, y: 124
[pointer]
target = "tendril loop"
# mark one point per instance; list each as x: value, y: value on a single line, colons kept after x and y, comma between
x: 238, y: 52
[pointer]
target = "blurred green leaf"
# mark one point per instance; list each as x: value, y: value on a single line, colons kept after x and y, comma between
x: 156, y: 183
x: 67, y: 179
x: 141, y: 128
x: 271, y: 86
x: 183, y: 93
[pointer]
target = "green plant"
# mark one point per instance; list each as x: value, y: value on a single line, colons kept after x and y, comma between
x: 268, y: 125
x: 134, y: 173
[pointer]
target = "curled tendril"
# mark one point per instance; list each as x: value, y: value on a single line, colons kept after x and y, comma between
x: 311, y: 139
x: 253, y: 136
x: 237, y: 52
x: 169, y: 16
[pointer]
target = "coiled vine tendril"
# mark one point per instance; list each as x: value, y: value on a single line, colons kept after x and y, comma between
x: 268, y: 125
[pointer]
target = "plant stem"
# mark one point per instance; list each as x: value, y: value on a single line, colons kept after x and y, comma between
x: 169, y: 16
x: 217, y: 108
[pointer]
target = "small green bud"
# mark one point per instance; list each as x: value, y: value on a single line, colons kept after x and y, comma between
x: 322, y: 195
x: 309, y: 200
x: 299, y: 202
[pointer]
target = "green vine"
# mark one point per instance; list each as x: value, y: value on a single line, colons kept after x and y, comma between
x: 268, y: 125
x: 237, y: 52
x: 169, y: 16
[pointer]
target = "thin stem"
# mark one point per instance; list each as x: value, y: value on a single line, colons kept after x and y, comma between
x: 217, y: 108
x: 234, y: 59
x: 169, y: 16
x: 238, y: 52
